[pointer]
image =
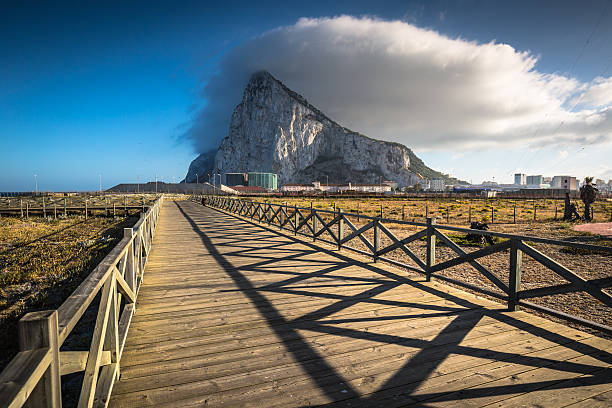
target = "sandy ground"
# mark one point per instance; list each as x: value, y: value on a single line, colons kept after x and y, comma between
x: 599, y: 228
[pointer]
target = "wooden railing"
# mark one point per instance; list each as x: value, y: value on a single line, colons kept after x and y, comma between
x: 33, y: 376
x: 58, y: 206
x: 314, y: 223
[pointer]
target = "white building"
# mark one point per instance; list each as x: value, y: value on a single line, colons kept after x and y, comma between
x: 520, y: 179
x: 565, y: 182
x: 336, y: 188
x: 437, y: 185
x: 291, y: 187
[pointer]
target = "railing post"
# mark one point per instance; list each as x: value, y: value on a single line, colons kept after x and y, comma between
x: 376, y: 240
x: 431, y: 246
x: 314, y: 224
x: 516, y: 259
x: 340, y: 228
x: 296, y: 219
x: 130, y: 271
x: 39, y: 330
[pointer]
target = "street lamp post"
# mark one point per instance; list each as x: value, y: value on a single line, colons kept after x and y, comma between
x: 197, y: 179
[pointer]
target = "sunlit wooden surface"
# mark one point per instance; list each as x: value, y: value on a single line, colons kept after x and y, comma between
x: 232, y: 314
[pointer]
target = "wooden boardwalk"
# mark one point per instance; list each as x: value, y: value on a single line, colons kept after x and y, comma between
x: 233, y: 314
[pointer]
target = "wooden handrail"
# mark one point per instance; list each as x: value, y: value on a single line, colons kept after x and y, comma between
x: 34, y: 373
x: 516, y: 245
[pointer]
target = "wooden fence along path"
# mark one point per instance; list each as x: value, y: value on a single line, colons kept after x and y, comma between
x: 339, y: 228
x: 58, y: 206
x: 234, y: 313
x: 34, y: 375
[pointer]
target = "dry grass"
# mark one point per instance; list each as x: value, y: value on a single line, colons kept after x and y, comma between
x: 452, y: 211
x: 42, y: 261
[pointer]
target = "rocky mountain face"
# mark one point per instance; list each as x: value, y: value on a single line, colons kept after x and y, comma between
x: 276, y: 130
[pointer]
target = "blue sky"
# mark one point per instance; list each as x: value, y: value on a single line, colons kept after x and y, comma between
x: 111, y: 88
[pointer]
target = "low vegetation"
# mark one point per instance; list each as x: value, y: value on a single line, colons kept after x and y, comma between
x: 43, y: 260
x: 458, y: 211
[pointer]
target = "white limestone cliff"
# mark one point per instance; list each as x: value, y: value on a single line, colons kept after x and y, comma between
x: 276, y: 130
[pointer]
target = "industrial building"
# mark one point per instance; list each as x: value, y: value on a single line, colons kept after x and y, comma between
x: 236, y: 179
x: 535, y: 180
x: 520, y: 179
x: 269, y: 181
x: 565, y: 182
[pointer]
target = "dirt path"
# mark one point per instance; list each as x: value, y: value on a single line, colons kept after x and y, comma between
x: 599, y: 228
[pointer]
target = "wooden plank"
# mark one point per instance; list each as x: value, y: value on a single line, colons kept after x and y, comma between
x: 73, y: 308
x: 401, y: 244
x: 124, y: 287
x: 327, y: 227
x: 470, y: 258
x: 75, y: 361
x: 524, y: 382
x: 603, y: 400
x: 453, y: 382
x: 600, y: 283
x: 359, y: 234
x: 275, y: 388
x: 94, y: 358
x: 292, y: 338
x: 564, y: 272
x: 36, y: 330
x: 21, y: 376
x: 566, y: 391
x: 105, y: 385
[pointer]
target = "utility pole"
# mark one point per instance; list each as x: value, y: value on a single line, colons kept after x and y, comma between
x: 197, y: 179
x: 36, y: 184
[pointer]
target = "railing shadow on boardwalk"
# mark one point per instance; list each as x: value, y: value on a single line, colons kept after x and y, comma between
x: 419, y: 366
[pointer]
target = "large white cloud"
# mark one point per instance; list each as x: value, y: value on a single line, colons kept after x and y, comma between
x: 598, y: 94
x: 392, y: 80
